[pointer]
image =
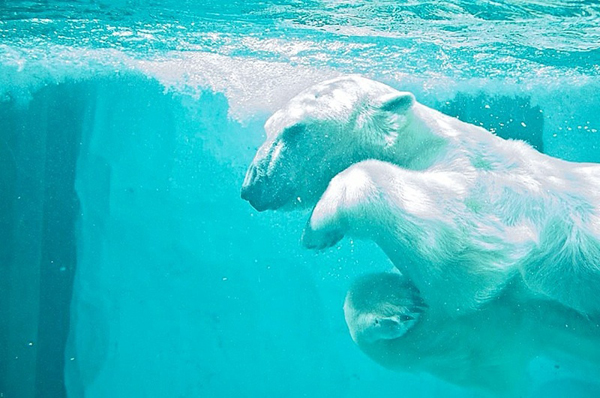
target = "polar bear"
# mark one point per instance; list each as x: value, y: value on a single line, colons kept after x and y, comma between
x: 489, y: 349
x: 475, y: 207
x: 461, y: 237
x: 325, y: 129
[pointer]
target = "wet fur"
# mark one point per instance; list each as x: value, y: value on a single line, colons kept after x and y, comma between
x: 476, y: 208
x: 487, y: 349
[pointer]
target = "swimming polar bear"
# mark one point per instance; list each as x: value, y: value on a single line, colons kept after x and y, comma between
x: 461, y: 237
x: 472, y: 206
x: 488, y: 349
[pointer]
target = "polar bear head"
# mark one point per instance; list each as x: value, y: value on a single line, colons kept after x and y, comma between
x: 319, y: 133
x: 382, y: 306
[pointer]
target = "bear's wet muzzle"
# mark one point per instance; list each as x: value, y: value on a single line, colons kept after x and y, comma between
x: 262, y: 192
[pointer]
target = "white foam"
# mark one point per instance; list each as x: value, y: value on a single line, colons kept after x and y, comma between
x: 251, y: 86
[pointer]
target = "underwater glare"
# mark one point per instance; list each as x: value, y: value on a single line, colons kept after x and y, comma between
x: 131, y: 266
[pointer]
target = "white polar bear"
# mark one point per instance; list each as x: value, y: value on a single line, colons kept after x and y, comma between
x: 489, y: 349
x: 460, y: 236
x: 469, y: 209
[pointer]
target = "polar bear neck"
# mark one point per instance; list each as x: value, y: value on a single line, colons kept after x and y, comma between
x: 430, y: 137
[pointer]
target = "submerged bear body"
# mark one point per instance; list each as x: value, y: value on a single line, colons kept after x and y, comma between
x: 489, y: 349
x: 457, y: 209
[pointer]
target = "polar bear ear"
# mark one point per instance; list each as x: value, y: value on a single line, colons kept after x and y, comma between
x: 397, y: 102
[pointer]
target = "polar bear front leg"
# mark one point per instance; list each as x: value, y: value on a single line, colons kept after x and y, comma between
x: 327, y: 225
x: 345, y: 200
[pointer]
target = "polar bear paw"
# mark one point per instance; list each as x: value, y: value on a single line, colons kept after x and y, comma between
x: 345, y: 200
x: 326, y: 225
x: 322, y: 238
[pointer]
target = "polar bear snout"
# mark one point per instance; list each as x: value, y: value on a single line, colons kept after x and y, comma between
x: 255, y: 189
x: 255, y: 195
x: 264, y: 192
x: 250, y: 187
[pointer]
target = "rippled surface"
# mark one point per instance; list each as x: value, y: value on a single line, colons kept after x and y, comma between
x: 453, y: 38
x: 244, y: 47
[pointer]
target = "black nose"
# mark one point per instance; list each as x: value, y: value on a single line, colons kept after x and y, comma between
x: 262, y: 192
x: 254, y: 197
x: 253, y: 191
x: 246, y: 192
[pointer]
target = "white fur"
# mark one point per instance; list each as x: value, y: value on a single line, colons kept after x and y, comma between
x: 461, y: 236
x: 489, y: 349
x: 319, y: 133
x: 453, y: 207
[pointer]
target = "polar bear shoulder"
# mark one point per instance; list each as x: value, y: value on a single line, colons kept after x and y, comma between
x: 473, y: 231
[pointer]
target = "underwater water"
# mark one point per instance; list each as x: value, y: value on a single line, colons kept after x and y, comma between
x: 131, y: 267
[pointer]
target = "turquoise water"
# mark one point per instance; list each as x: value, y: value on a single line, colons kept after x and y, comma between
x: 130, y: 265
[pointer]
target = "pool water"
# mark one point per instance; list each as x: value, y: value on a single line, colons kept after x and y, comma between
x: 130, y: 265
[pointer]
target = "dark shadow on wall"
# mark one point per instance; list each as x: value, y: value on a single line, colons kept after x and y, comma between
x: 507, y: 117
x: 39, y: 147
